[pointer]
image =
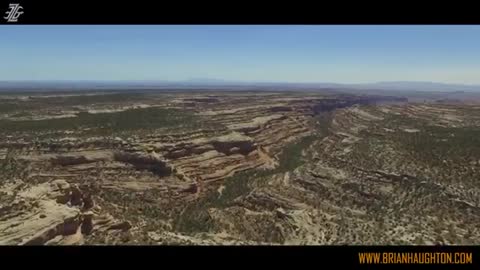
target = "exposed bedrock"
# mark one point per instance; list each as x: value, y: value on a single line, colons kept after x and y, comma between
x: 256, y: 123
x: 234, y: 143
x: 75, y: 158
x: 139, y: 160
x: 227, y: 144
x: 51, y: 212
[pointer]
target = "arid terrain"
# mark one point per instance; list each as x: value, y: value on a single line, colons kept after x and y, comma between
x: 237, y: 168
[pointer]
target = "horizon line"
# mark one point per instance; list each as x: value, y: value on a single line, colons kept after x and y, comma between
x: 219, y: 81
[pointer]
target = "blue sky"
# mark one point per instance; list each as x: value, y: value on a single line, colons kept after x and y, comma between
x: 288, y: 53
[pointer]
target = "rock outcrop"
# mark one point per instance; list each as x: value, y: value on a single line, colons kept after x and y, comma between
x: 47, y: 213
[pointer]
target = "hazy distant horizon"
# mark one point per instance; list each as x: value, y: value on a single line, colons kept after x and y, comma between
x: 216, y: 84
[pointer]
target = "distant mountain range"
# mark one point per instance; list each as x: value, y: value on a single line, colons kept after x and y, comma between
x: 216, y: 84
